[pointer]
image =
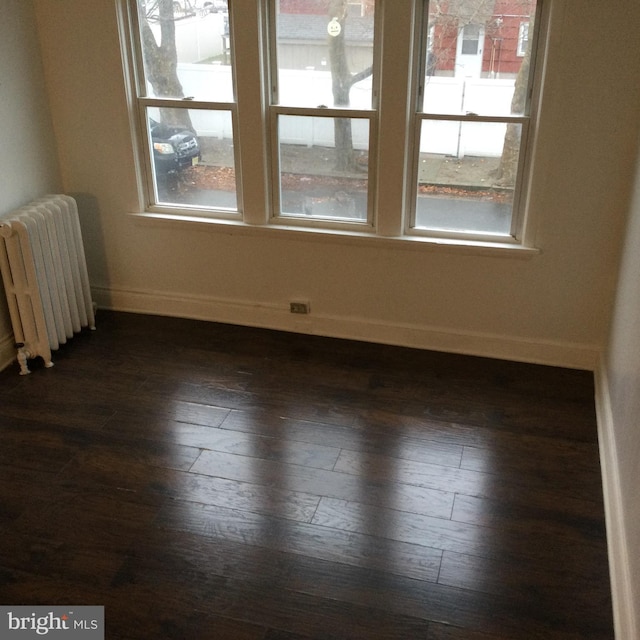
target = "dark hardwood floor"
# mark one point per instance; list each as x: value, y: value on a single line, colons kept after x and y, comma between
x: 210, y: 481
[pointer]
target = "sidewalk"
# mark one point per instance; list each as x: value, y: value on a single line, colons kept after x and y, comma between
x: 458, y: 189
x: 471, y: 172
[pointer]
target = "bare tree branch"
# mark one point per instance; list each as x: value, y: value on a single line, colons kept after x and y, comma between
x: 360, y: 76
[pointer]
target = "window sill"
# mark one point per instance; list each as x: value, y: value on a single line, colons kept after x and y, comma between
x: 314, y: 234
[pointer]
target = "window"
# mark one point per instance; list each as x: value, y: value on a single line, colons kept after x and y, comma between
x: 473, y: 121
x: 268, y: 112
x: 186, y: 103
x: 471, y: 39
x: 523, y: 38
x: 322, y: 111
x: 357, y: 7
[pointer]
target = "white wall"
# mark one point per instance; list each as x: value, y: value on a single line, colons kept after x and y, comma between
x: 550, y: 308
x: 28, y: 163
x: 620, y: 401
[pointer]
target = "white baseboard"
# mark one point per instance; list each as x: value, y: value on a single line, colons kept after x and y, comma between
x: 7, y: 351
x: 274, y: 316
x: 624, y: 613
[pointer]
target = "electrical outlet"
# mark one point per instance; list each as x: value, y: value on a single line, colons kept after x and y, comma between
x: 299, y: 306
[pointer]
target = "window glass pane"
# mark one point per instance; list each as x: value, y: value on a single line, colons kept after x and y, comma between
x: 323, y: 167
x: 479, y: 43
x: 471, y: 39
x: 466, y: 176
x: 186, y: 49
x: 193, y: 158
x: 324, y: 53
x: 523, y: 38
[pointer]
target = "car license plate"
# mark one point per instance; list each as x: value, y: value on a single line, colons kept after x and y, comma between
x: 194, y: 161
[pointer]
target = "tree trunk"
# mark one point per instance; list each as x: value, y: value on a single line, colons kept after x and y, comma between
x: 508, y: 168
x: 161, y: 63
x: 341, y: 83
x: 341, y: 86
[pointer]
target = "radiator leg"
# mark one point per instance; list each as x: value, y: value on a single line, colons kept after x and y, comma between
x: 95, y: 310
x: 23, y: 356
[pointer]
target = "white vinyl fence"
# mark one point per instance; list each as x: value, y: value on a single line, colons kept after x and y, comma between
x: 212, y: 81
x: 464, y: 95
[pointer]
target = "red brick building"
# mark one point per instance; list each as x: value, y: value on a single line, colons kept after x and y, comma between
x: 477, y: 38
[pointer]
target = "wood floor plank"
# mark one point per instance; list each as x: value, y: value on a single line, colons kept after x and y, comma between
x: 448, y: 535
x: 57, y: 410
x: 469, y: 482
x: 132, y: 613
x: 313, y: 405
x: 441, y: 631
x: 526, y: 453
x: 308, y: 614
x: 273, y: 533
x: 110, y: 518
x: 410, y: 420
x: 504, y: 412
x: 105, y: 468
x: 268, y: 420
x: 547, y: 586
x: 413, y: 446
x: 73, y: 536
x: 57, y: 554
x: 550, y: 519
x: 320, y: 482
x: 205, y: 392
x: 92, y: 383
x: 438, y: 533
x: 561, y: 464
x: 276, y: 634
x: 19, y: 486
x: 37, y: 445
x: 154, y: 416
x: 185, y: 561
x: 143, y: 451
x: 268, y: 447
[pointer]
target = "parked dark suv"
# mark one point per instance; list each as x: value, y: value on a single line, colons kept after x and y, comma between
x: 174, y: 148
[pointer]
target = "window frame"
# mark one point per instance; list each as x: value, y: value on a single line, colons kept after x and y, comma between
x: 141, y: 102
x: 391, y: 204
x: 527, y: 121
x: 277, y: 217
x: 275, y: 109
x: 150, y: 183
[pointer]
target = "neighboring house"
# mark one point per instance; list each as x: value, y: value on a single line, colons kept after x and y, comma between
x: 302, y: 41
x: 319, y: 7
x: 302, y: 34
x: 478, y: 39
x: 467, y: 38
